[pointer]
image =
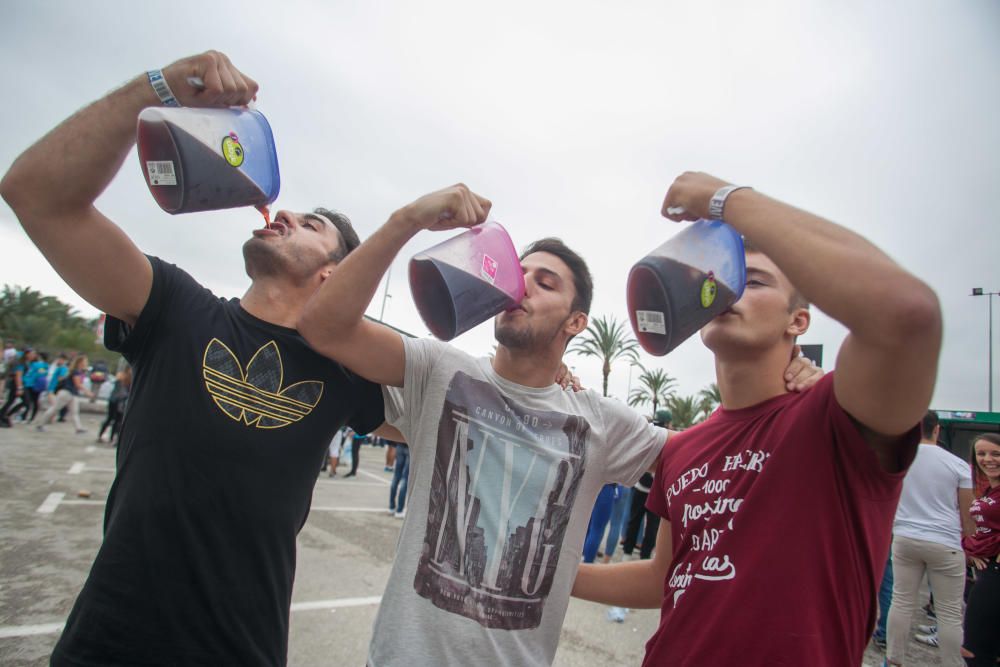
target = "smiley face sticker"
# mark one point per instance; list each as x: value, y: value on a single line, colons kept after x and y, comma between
x: 232, y: 150
x: 709, y: 289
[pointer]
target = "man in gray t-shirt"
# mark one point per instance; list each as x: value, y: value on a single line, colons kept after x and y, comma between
x: 504, y: 481
x: 505, y: 466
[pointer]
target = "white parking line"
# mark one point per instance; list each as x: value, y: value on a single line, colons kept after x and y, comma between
x: 8, y: 631
x: 335, y: 604
x: 28, y: 630
x: 337, y: 481
x: 50, y: 504
x: 368, y: 474
x: 76, y: 468
x: 321, y: 508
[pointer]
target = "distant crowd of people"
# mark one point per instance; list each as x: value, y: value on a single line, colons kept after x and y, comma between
x: 31, y: 383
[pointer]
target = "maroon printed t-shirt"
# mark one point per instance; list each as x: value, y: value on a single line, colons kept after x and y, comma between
x: 781, y: 519
x: 985, y: 512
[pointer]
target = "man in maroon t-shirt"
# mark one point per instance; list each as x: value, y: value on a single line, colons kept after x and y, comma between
x: 777, y: 511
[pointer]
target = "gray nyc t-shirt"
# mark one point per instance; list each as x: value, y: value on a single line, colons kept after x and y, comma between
x: 503, y: 479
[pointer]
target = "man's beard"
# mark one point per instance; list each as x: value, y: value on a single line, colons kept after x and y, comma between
x: 261, y: 260
x: 523, y: 338
x: 513, y: 338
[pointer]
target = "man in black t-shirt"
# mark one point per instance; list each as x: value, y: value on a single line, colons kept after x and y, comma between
x: 230, y: 412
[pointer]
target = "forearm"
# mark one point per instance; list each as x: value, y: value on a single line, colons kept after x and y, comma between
x: 67, y: 169
x: 339, y: 305
x: 636, y: 585
x: 846, y: 276
x: 964, y: 503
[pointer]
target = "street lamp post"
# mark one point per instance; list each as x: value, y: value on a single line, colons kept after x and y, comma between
x: 385, y: 296
x: 978, y: 291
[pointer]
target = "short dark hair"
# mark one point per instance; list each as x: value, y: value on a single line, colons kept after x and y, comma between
x: 928, y: 424
x: 582, y: 281
x: 347, y: 233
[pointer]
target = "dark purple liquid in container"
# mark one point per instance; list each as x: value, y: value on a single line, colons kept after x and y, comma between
x: 451, y: 301
x: 683, y: 313
x: 205, y: 181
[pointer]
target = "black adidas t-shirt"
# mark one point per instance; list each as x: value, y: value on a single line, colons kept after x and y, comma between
x: 228, y: 422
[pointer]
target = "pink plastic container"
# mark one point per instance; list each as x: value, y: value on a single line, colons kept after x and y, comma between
x: 466, y: 280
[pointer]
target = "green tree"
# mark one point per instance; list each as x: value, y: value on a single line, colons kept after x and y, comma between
x: 31, y: 318
x: 683, y: 410
x: 607, y: 339
x: 708, y: 399
x: 655, y: 386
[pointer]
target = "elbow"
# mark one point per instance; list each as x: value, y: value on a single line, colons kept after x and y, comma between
x: 913, y: 314
x: 19, y: 189
x: 9, y: 189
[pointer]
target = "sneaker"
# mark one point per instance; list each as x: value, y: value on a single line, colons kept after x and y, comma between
x: 387, y: 469
x: 927, y: 629
x: 879, y: 642
x: 400, y: 515
x: 392, y: 511
x: 930, y: 640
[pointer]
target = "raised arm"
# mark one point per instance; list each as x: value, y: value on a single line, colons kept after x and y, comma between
x: 636, y: 584
x: 333, y: 321
x: 887, y: 366
x: 52, y: 186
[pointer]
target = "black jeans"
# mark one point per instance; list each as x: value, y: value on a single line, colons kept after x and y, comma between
x: 636, y: 512
x: 113, y: 420
x: 982, y: 618
x: 28, y: 405
x: 11, y: 397
x: 355, y: 455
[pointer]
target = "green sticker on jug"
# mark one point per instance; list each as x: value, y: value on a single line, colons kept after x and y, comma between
x: 232, y: 150
x: 708, y: 291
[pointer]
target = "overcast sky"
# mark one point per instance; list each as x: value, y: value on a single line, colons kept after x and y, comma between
x: 573, y: 117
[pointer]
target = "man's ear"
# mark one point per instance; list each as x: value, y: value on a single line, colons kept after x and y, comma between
x: 799, y: 322
x: 326, y: 272
x: 577, y: 323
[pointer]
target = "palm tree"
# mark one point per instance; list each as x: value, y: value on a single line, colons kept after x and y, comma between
x: 655, y: 386
x: 708, y: 399
x: 607, y: 339
x: 683, y: 411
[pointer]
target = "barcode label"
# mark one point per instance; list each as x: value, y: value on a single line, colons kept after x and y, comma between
x: 651, y: 321
x: 161, y: 173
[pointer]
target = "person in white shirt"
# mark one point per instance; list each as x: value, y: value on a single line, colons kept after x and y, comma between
x: 927, y: 539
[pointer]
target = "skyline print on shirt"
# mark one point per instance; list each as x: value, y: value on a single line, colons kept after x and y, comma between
x: 504, y: 482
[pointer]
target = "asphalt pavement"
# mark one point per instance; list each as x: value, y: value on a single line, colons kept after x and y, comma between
x: 53, y: 486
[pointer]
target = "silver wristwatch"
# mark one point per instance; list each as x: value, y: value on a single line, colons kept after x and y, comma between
x: 718, y: 202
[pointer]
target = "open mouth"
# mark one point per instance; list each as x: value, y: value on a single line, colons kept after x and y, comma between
x: 277, y: 228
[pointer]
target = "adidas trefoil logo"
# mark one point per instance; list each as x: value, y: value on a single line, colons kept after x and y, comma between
x: 256, y: 398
